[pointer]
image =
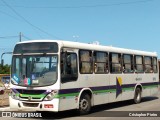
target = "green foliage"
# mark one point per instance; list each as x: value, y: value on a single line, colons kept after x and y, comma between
x: 5, y: 69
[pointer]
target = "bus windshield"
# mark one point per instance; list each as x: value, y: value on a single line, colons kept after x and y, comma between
x: 34, y: 70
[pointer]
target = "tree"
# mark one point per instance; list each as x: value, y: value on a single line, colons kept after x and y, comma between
x: 5, y: 69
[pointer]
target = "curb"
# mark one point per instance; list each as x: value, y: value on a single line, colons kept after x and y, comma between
x: 4, y: 108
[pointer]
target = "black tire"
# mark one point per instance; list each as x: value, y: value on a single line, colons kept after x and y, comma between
x: 137, y: 95
x: 84, y: 104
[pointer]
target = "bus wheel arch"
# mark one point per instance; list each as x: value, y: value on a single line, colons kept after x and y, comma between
x: 138, y: 94
x: 85, y: 101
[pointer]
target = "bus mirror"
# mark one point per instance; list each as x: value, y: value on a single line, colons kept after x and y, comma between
x: 2, y: 62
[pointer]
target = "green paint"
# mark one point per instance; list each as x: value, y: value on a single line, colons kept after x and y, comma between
x: 66, y: 95
x: 112, y: 90
x: 101, y: 91
x: 151, y: 86
x: 70, y: 95
x: 31, y: 95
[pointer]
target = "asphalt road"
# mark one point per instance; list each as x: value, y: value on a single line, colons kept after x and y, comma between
x: 125, y: 110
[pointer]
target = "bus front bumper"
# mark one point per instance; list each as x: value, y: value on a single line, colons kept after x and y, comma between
x: 18, y: 105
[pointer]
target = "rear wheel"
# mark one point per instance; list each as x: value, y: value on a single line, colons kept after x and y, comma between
x: 137, y: 95
x: 84, y: 104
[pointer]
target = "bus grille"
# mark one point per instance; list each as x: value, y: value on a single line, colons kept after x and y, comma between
x: 30, y: 104
x: 37, y: 92
x: 31, y: 92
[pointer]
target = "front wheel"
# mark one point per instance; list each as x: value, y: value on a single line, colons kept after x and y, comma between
x: 137, y: 95
x: 84, y: 104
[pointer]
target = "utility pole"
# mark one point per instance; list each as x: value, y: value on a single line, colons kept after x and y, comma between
x: 2, y: 61
x: 20, y: 37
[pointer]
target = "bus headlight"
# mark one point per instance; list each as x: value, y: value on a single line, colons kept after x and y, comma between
x: 14, y: 95
x: 50, y: 96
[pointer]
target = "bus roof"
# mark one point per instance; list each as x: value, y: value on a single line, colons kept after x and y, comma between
x: 95, y: 47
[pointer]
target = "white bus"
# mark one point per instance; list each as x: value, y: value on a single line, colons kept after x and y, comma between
x: 53, y: 75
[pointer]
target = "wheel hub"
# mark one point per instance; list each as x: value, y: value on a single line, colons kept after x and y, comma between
x: 84, y: 104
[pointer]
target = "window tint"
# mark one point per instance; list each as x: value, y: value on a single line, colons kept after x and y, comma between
x: 41, y: 69
x: 85, y: 58
x: 36, y: 47
x: 155, y: 65
x: 139, y: 64
x: 101, y: 62
x: 128, y: 63
x: 115, y: 63
x: 69, y: 68
x: 17, y: 70
x: 24, y: 62
x: 148, y: 64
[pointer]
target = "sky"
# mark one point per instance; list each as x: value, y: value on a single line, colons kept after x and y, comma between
x: 132, y: 24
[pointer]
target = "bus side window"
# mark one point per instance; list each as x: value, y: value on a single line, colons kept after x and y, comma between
x: 85, y: 58
x: 139, y: 64
x: 154, y: 64
x: 100, y: 62
x: 148, y: 64
x: 115, y: 63
x: 127, y: 63
x: 69, y: 70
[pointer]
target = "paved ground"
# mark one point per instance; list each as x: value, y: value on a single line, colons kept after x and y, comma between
x: 4, y: 99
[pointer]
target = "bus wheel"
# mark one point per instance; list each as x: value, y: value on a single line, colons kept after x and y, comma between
x: 84, y: 104
x: 137, y: 95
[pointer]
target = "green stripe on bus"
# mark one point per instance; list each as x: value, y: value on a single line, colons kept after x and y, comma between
x: 76, y: 94
x: 112, y: 90
x: 128, y: 89
x: 66, y: 95
x: 101, y: 91
x: 150, y: 86
x: 31, y: 95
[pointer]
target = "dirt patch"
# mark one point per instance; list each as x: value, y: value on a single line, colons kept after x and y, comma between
x: 4, y: 99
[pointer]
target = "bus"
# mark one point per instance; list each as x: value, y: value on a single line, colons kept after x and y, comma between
x: 55, y: 75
